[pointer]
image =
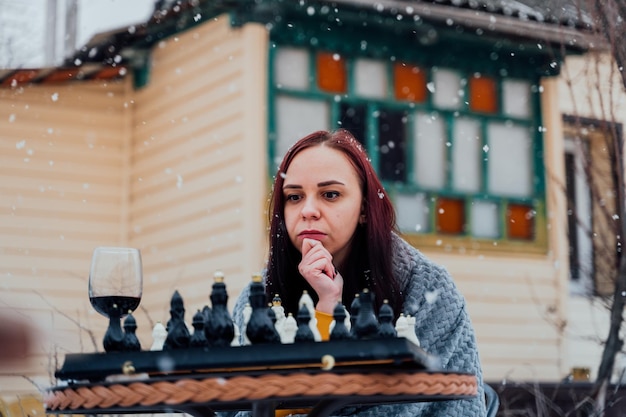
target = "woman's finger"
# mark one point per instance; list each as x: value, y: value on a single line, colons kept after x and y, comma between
x: 315, y: 250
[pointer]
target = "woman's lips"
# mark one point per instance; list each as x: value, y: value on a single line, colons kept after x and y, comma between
x: 311, y: 234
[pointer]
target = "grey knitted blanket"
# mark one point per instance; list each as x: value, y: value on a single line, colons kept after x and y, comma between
x: 442, y: 326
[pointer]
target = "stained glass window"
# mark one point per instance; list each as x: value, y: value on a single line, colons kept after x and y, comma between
x: 455, y: 150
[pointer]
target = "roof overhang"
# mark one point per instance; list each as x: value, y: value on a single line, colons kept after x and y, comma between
x: 129, y: 47
x: 573, y: 39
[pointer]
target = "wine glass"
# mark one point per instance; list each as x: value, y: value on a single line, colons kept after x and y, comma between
x: 115, y: 286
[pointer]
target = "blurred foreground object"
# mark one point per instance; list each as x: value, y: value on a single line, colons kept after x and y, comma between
x: 17, y: 337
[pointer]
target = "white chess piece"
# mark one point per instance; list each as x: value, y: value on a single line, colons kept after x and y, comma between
x: 235, y: 342
x: 279, y: 312
x: 306, y: 300
x: 288, y: 332
x: 347, y: 321
x: 247, y: 312
x: 405, y: 327
x: 159, y: 334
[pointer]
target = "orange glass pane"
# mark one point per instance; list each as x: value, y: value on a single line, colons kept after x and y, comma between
x: 483, y: 94
x: 450, y: 215
x: 331, y: 72
x: 409, y: 82
x: 520, y: 222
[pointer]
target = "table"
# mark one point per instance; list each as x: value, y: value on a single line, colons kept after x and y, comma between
x: 323, y: 376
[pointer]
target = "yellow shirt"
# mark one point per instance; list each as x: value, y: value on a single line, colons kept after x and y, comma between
x: 323, y: 325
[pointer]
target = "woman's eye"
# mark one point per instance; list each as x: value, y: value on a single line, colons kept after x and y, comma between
x: 331, y: 195
x: 293, y: 197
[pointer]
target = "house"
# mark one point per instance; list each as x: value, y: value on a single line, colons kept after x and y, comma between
x: 165, y: 135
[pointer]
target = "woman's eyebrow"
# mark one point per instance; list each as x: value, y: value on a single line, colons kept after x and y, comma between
x: 319, y: 184
x: 330, y: 182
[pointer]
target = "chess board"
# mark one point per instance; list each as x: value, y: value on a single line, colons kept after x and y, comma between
x: 340, y: 356
x: 206, y: 371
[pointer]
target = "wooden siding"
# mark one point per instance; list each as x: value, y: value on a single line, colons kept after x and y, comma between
x: 590, y: 87
x: 61, y: 176
x: 512, y: 302
x: 176, y: 169
x: 197, y: 187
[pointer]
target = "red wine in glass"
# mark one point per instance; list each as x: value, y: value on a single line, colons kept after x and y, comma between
x: 114, y: 305
x: 115, y: 286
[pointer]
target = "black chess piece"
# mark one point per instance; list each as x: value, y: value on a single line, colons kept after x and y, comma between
x: 177, y: 332
x: 385, y: 317
x: 272, y: 314
x: 366, y: 323
x: 219, y: 329
x: 277, y: 301
x: 113, y: 340
x: 206, y: 313
x: 304, y: 332
x: 340, y: 331
x: 130, y: 341
x: 260, y: 328
x: 354, y: 311
x: 198, y: 338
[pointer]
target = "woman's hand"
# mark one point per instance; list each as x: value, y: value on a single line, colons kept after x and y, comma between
x: 317, y: 268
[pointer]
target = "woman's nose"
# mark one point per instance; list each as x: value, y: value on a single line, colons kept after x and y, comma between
x: 310, y: 209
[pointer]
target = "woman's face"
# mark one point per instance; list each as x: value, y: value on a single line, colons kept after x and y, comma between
x: 323, y: 200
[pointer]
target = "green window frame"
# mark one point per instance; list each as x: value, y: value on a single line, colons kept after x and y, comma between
x: 372, y: 110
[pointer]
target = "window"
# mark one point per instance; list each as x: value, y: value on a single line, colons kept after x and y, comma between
x: 592, y: 207
x: 578, y: 216
x: 459, y: 152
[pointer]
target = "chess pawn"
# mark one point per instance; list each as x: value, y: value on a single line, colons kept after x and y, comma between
x: 304, y: 332
x: 260, y: 328
x: 279, y: 313
x: 347, y: 321
x: 366, y: 324
x: 159, y: 334
x: 247, y: 312
x: 338, y: 330
x: 198, y: 338
x: 401, y: 325
x: 219, y: 329
x: 307, y: 301
x: 177, y: 331
x: 130, y: 342
x: 385, y: 317
x: 288, y: 332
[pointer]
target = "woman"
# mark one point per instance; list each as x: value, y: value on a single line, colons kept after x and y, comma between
x: 332, y: 233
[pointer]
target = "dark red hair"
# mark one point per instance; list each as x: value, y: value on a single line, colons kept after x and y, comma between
x: 368, y: 264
